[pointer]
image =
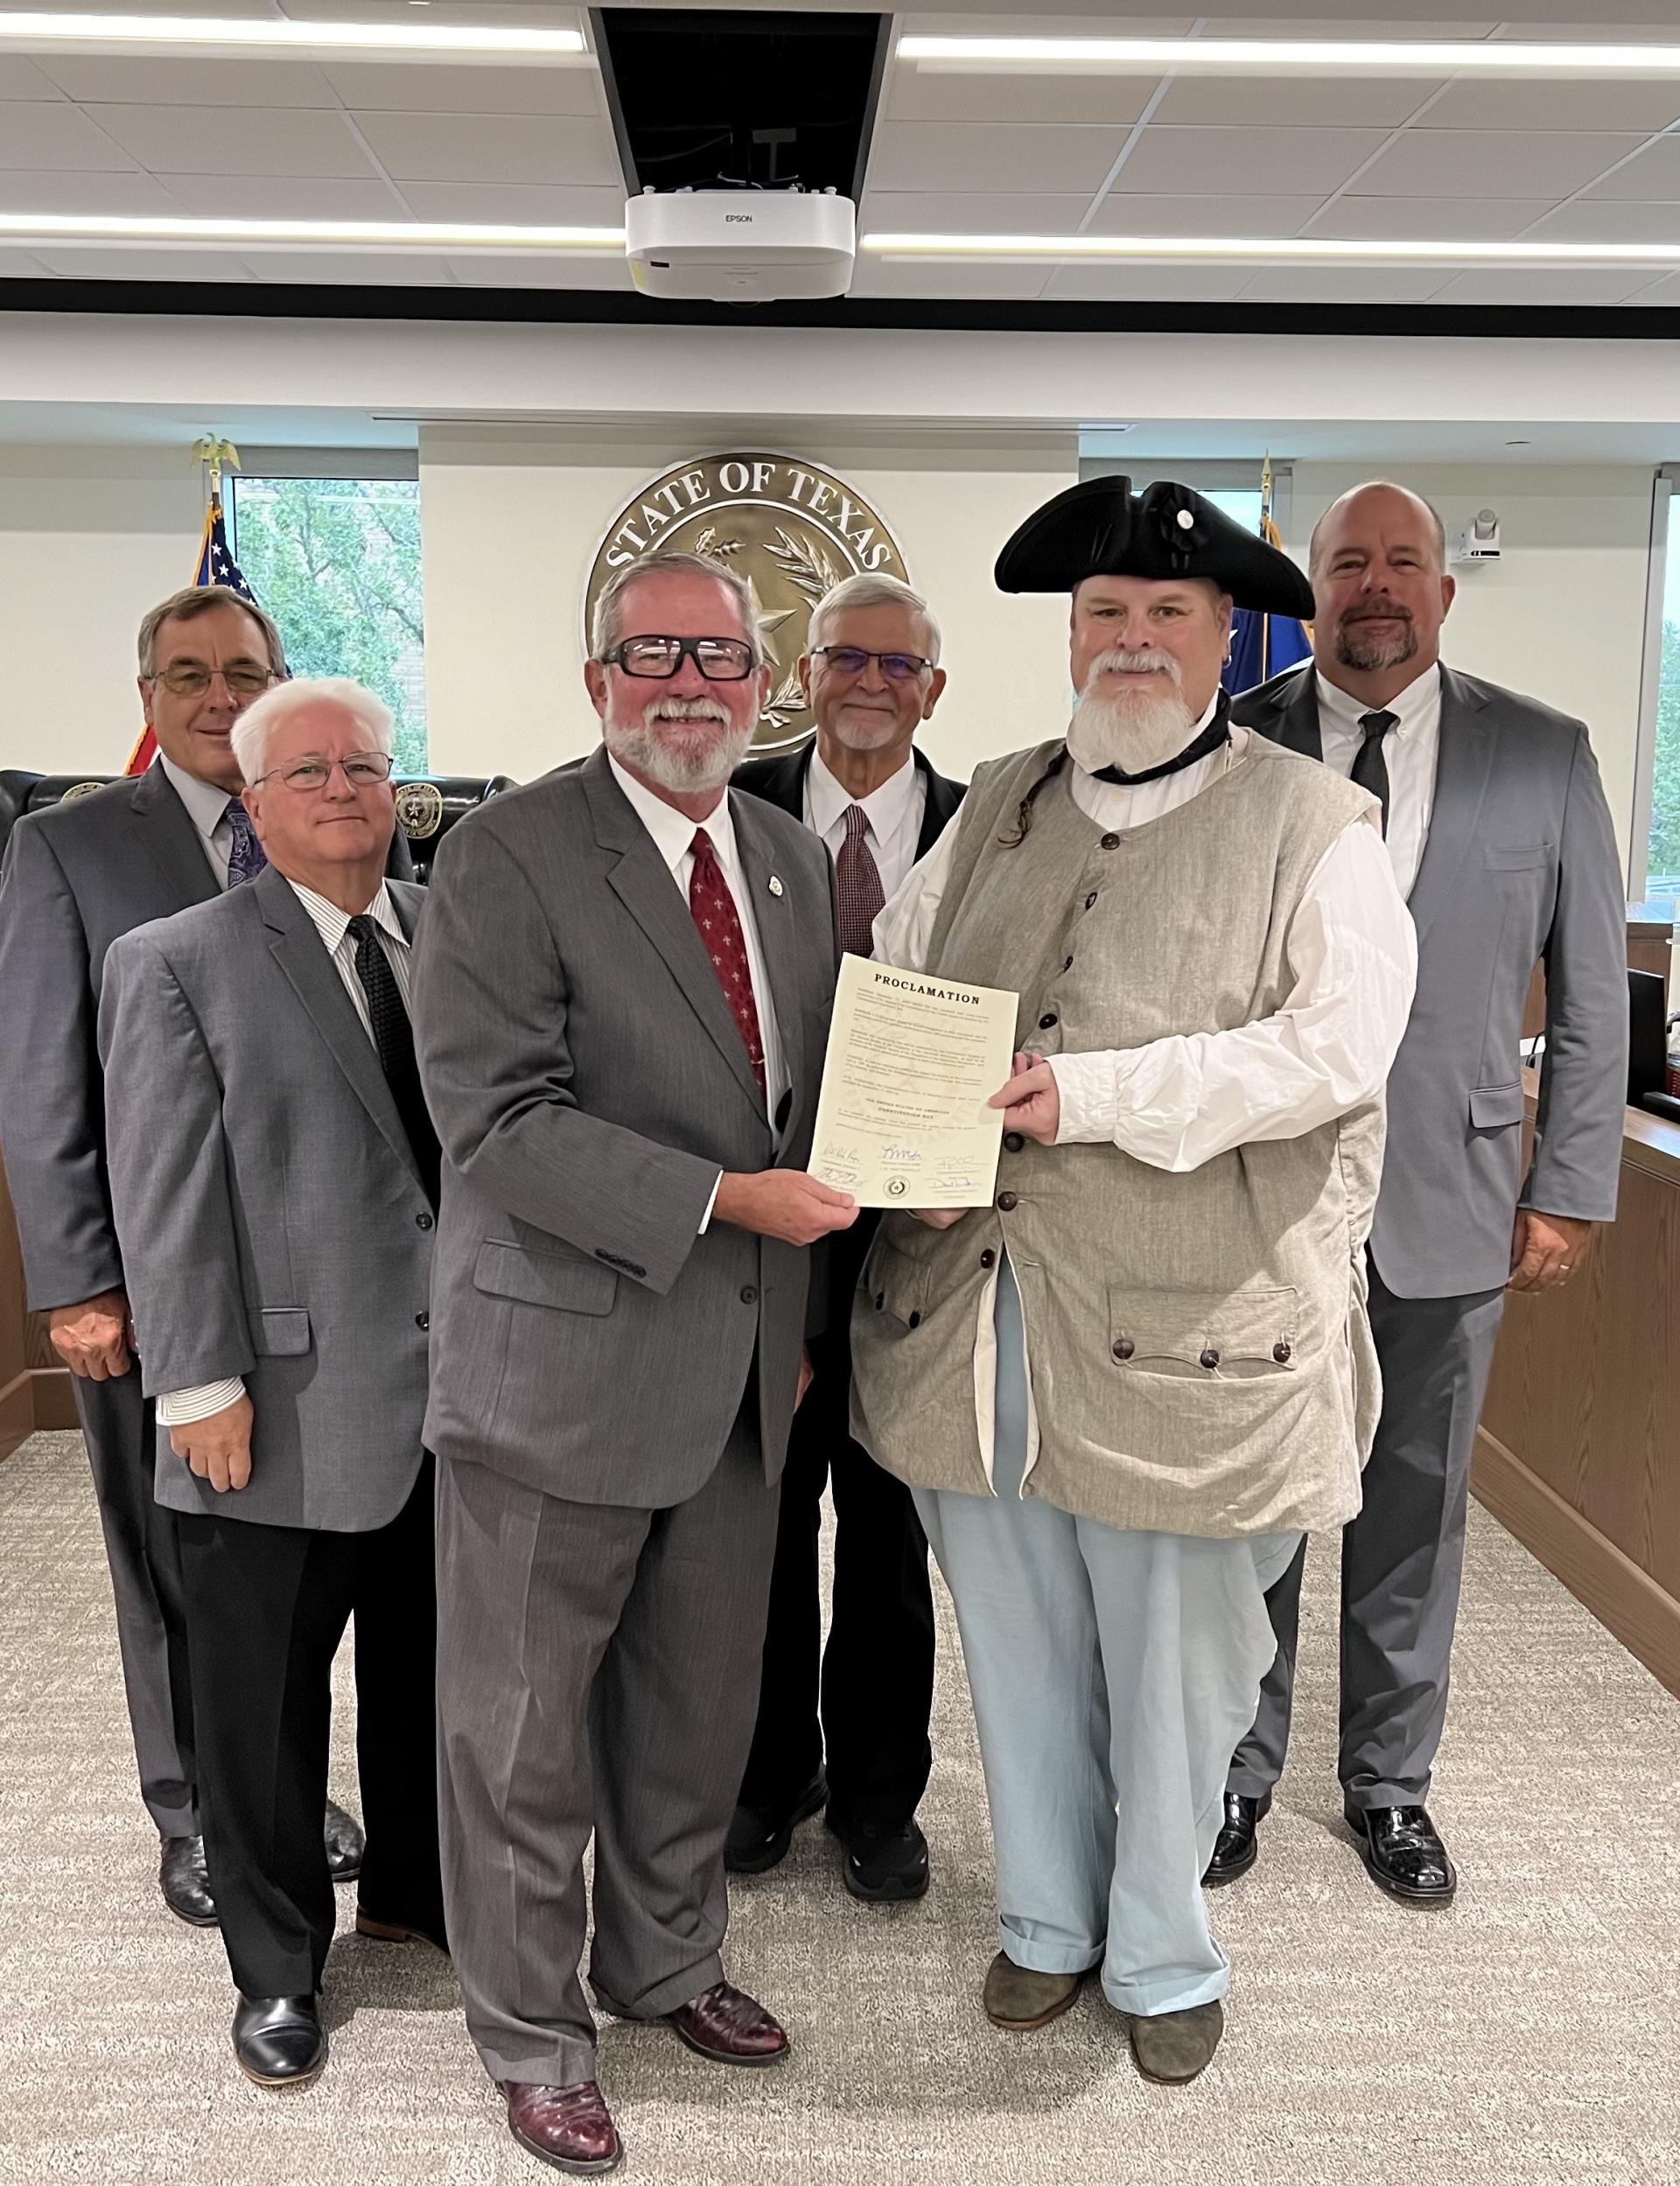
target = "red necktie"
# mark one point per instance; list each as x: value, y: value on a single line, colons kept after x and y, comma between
x: 719, y: 927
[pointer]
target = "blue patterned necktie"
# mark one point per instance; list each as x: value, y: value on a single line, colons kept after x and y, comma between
x: 247, y: 857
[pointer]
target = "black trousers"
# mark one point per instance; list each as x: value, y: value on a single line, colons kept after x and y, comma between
x: 266, y: 1607
x: 866, y: 1697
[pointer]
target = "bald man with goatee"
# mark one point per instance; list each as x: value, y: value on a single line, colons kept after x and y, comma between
x: 1501, y: 840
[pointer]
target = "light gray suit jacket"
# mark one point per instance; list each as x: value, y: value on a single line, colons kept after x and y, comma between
x: 588, y: 1083
x: 274, y: 1224
x: 1521, y: 865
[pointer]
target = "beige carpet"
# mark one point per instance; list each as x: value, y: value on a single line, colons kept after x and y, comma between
x: 1531, y: 2033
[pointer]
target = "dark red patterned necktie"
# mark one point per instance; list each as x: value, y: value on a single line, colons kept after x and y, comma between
x: 719, y: 925
x: 858, y: 885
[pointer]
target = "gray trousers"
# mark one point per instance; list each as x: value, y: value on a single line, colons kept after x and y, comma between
x: 141, y: 1548
x: 1402, y: 1559
x: 597, y: 1670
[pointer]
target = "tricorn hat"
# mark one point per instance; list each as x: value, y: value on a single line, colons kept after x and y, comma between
x: 1100, y: 527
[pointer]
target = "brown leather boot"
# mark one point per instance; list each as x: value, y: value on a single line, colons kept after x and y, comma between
x: 1019, y: 2000
x: 570, y: 2128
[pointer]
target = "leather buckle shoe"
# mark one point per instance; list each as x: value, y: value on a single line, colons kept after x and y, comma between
x: 758, y: 1838
x: 344, y: 1843
x: 279, y: 2040
x: 570, y: 2128
x: 184, y: 1881
x: 726, y: 2026
x: 884, y: 1864
x: 1404, y: 1854
x: 1237, y: 1845
x: 1173, y: 2047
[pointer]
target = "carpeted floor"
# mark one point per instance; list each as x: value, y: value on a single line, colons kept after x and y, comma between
x: 1531, y: 2032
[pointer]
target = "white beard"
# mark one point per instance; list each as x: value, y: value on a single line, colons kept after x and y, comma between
x: 689, y: 769
x: 1129, y: 734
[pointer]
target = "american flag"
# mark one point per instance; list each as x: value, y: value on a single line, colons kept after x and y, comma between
x: 215, y: 565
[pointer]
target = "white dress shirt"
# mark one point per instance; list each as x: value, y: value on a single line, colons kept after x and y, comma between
x: 1410, y: 751
x: 179, y: 1406
x: 894, y: 812
x: 206, y: 807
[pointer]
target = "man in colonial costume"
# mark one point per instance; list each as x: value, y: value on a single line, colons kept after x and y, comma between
x: 1124, y: 1390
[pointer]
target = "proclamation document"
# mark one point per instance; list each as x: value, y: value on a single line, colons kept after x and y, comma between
x: 902, y: 1119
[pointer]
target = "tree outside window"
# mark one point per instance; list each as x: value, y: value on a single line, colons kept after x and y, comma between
x: 336, y: 562
x: 1662, y: 863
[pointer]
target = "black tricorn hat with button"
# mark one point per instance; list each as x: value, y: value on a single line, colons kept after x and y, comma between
x: 1100, y: 527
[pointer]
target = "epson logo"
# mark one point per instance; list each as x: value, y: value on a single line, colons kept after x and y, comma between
x: 738, y: 220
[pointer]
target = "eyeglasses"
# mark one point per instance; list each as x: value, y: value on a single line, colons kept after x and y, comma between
x: 362, y: 771
x: 188, y: 680
x: 852, y: 660
x: 719, y: 660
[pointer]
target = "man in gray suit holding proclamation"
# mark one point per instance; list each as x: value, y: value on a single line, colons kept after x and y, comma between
x: 622, y: 993
x: 276, y: 1214
x: 1499, y: 837
x: 75, y: 878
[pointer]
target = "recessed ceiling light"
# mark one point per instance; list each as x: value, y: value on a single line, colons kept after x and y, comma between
x: 1276, y: 251
x: 1292, y: 57
x: 457, y: 238
x: 42, y: 32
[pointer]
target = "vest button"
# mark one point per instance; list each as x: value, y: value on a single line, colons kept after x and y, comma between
x: 1008, y: 1199
x: 1046, y: 1020
x: 880, y: 1301
x: 749, y: 1294
x: 1282, y: 1353
x: 1090, y: 899
x: 1123, y: 1347
x: 423, y: 1222
x: 1110, y: 842
x: 1066, y: 964
x: 915, y: 1320
x: 988, y: 1258
x: 423, y: 1320
x: 1014, y: 1141
x: 1210, y: 1358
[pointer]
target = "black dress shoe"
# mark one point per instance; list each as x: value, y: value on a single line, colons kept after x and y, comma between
x: 884, y: 1866
x: 758, y: 1839
x: 344, y: 1843
x: 1237, y: 1845
x: 279, y: 2040
x: 184, y: 1881
x: 1404, y: 1853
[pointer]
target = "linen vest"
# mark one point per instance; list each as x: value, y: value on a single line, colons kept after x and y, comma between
x: 1198, y: 1348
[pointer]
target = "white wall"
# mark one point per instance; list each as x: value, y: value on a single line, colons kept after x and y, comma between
x: 512, y: 522
x: 1562, y: 612
x: 90, y: 539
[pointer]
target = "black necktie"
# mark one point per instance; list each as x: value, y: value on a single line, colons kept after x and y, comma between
x: 1370, y: 768
x: 394, y: 1037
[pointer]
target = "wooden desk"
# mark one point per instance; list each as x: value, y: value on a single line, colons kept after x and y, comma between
x: 1578, y: 1453
x: 34, y: 1388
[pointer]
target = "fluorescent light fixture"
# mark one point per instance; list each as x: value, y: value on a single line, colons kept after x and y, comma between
x: 459, y: 239
x: 1270, y: 250
x: 1289, y: 57
x: 44, y: 33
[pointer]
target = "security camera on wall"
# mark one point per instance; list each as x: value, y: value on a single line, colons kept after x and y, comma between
x: 741, y: 246
x: 1478, y: 541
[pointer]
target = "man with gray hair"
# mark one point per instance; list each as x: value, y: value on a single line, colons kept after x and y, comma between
x: 75, y: 878
x: 843, y: 1723
x: 276, y: 1214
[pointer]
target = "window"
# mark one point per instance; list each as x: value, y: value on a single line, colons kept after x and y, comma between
x: 1662, y: 849
x: 336, y: 562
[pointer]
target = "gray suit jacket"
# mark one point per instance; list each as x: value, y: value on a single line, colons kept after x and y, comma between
x: 1520, y: 865
x: 588, y: 1083
x: 75, y: 876
x: 274, y: 1224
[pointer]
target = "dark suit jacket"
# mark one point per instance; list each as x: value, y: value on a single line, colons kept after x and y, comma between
x: 782, y: 782
x: 1521, y: 865
x: 76, y: 876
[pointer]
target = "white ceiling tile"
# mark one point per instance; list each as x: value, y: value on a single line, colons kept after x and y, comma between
x: 1494, y: 284
x: 151, y: 266
x: 1246, y: 215
x: 1031, y: 155
x: 1605, y: 221
x: 896, y: 277
x: 398, y: 88
x: 917, y: 95
x: 1656, y: 32
x: 56, y: 134
x: 96, y: 79
x: 1282, y: 162
x: 1666, y: 290
x: 347, y: 269
x: 235, y: 140
x: 20, y: 265
x: 288, y: 197
x: 1300, y: 102
x: 51, y: 191
x: 21, y: 79
x: 1411, y: 220
x: 970, y: 213
x: 568, y: 205
x: 1163, y: 284
x: 1500, y: 164
x: 542, y: 273
x: 492, y: 147
x: 1613, y: 108
x: 1344, y: 284
x: 1653, y: 175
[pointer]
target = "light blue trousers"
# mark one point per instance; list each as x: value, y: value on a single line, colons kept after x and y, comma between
x: 1113, y: 1675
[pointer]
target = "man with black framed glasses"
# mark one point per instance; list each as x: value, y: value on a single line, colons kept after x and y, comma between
x: 75, y: 878
x: 843, y: 1726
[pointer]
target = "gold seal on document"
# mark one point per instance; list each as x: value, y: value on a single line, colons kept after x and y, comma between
x: 419, y: 809
x: 793, y: 530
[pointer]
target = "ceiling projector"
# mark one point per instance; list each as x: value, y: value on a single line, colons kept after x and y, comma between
x: 740, y: 245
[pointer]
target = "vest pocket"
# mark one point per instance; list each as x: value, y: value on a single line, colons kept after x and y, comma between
x: 1202, y: 1335
x: 895, y: 1285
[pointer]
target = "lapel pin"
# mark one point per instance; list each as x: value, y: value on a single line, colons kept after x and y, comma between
x: 775, y: 884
